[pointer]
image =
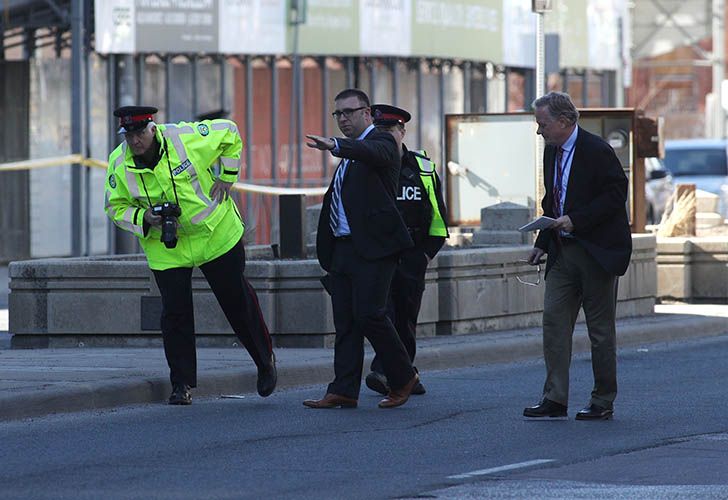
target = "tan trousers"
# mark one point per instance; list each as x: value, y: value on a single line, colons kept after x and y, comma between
x: 577, y: 280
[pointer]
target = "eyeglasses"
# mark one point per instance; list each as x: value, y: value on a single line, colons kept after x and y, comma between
x: 538, y: 275
x: 346, y: 113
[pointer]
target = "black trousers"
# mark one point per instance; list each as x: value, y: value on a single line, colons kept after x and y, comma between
x: 359, y: 290
x: 237, y: 300
x: 405, y: 298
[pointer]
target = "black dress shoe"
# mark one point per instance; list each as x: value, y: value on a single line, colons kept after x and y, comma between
x: 595, y: 412
x: 546, y: 410
x: 419, y: 389
x: 377, y: 382
x: 180, y: 395
x: 267, y: 378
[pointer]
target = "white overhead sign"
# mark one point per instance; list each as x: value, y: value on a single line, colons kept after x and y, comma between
x: 498, y: 31
x: 183, y: 26
x: 252, y: 27
x: 385, y: 27
x: 115, y: 26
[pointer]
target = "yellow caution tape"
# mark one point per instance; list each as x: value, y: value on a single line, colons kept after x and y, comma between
x: 93, y: 162
x: 41, y: 163
x: 254, y: 188
x: 52, y: 162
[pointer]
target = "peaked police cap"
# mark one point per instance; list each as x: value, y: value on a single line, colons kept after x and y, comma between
x: 133, y: 118
x: 384, y: 114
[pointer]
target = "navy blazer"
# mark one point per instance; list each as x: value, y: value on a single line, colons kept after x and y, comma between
x: 596, y: 198
x: 368, y: 193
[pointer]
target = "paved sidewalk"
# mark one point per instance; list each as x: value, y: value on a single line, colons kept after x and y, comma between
x: 44, y: 381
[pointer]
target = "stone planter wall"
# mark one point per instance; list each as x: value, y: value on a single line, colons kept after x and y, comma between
x: 693, y: 269
x: 114, y: 300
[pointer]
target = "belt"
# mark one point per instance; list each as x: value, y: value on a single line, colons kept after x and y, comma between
x: 343, y: 238
x: 566, y: 241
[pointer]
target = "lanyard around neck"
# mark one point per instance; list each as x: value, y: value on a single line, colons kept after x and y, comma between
x: 561, y: 167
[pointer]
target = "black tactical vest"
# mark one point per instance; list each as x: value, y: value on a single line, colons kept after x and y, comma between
x: 412, y: 199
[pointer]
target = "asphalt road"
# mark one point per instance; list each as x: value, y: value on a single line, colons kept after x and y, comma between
x: 464, y: 439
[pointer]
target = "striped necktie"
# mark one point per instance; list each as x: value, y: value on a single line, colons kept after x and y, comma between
x: 336, y: 197
x: 558, y: 181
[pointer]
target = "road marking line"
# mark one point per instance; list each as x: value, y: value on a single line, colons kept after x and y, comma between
x: 502, y: 468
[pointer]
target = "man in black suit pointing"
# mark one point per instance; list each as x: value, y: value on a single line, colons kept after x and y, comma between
x: 360, y: 235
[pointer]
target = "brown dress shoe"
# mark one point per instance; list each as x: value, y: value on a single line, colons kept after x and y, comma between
x: 398, y: 397
x: 331, y: 401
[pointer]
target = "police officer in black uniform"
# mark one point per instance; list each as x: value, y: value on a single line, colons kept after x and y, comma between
x: 419, y: 200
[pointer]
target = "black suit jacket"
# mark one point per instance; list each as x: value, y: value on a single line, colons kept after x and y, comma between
x: 596, y: 197
x: 368, y: 193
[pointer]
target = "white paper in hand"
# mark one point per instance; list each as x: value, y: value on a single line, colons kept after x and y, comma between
x: 542, y: 222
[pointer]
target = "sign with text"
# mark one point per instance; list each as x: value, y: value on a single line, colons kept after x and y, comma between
x: 252, y: 26
x: 569, y: 20
x: 115, y: 26
x: 179, y: 26
x: 498, y: 31
x: 468, y: 29
x: 604, y: 35
x: 191, y: 26
x: 385, y: 27
x: 331, y: 28
x: 519, y: 39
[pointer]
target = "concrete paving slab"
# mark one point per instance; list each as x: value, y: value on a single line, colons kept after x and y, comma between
x: 45, y: 381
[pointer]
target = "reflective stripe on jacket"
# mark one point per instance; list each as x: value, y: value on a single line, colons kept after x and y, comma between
x: 192, y: 157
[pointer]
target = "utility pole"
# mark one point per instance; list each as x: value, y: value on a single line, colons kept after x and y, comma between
x: 540, y: 7
x: 718, y: 68
x: 78, y: 129
x: 297, y: 18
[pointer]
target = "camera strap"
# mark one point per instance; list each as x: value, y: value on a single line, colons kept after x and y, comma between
x: 171, y: 176
x: 144, y: 185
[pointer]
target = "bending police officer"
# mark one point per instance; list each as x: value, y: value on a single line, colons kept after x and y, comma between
x: 420, y: 202
x: 169, y: 185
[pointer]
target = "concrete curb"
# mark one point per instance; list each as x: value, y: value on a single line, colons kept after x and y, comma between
x: 509, y: 346
x: 433, y: 354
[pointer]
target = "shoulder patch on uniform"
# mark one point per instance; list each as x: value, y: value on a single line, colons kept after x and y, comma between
x: 112, y: 181
x: 203, y: 129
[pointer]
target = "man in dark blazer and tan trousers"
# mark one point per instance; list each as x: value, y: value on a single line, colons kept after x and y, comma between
x: 360, y: 235
x: 588, y: 247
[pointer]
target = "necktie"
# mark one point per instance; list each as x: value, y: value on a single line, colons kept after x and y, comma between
x: 336, y: 197
x: 558, y: 180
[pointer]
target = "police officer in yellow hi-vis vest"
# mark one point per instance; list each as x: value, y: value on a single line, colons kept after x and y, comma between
x: 169, y: 185
x: 419, y: 200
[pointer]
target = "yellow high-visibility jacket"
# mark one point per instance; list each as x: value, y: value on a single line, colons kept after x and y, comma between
x: 193, y: 156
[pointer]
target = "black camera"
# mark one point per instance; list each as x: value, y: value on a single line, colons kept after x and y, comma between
x: 169, y: 212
